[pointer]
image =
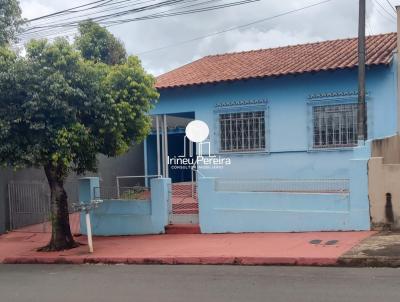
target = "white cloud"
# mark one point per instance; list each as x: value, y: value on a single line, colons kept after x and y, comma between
x: 36, y: 8
x: 255, y: 39
x: 335, y: 19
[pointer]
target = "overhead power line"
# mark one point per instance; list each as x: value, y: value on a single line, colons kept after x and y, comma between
x: 391, y: 5
x: 54, y: 27
x: 75, y: 20
x: 166, y: 14
x: 50, y: 31
x: 99, y: 18
x: 234, y: 28
x: 66, y: 10
x: 384, y: 9
x: 108, y: 7
x: 33, y: 31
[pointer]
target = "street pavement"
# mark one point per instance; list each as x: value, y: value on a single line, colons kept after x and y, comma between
x: 119, y: 283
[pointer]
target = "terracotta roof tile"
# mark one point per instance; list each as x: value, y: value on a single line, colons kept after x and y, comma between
x: 296, y: 59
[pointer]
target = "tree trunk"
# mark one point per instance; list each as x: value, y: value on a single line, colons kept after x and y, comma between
x: 61, y: 236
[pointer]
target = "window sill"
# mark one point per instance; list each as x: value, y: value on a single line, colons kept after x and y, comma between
x: 243, y: 152
x: 330, y: 149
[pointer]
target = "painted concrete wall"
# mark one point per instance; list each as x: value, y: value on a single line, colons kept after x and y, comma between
x: 388, y: 148
x: 128, y: 217
x: 131, y: 163
x: 384, y: 177
x: 289, y: 123
x: 222, y: 212
x: 289, y: 154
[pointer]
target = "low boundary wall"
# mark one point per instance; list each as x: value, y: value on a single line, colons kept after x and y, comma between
x: 127, y: 217
x: 224, y: 212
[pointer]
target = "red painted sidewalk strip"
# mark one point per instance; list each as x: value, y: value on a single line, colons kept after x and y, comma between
x: 245, y: 249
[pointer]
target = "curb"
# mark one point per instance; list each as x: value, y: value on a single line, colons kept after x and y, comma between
x: 289, y: 261
x: 369, y: 261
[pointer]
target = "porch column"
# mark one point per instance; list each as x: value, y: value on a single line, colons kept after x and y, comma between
x: 146, y: 181
x: 165, y: 159
x: 158, y: 145
x: 162, y: 146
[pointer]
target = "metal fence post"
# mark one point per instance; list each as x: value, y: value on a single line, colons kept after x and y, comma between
x: 10, y: 206
x: 118, y: 187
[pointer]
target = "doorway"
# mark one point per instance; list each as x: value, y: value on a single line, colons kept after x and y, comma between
x: 165, y: 148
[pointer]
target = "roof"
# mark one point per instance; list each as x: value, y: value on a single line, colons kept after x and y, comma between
x: 288, y: 60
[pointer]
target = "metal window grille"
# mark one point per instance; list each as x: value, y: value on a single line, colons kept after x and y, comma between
x: 242, y: 131
x: 335, y: 126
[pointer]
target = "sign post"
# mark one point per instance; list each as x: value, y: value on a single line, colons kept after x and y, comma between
x: 86, y: 207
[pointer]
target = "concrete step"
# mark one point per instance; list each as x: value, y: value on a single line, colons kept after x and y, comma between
x: 186, y: 211
x: 182, y: 229
x: 189, y: 205
x: 183, y: 218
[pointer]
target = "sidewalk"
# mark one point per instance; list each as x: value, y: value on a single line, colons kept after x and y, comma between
x: 316, y: 248
x: 380, y: 250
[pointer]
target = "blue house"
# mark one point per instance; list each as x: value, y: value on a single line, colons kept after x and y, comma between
x: 282, y: 153
x: 287, y: 120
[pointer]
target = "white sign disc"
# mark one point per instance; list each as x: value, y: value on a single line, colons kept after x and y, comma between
x: 197, y: 131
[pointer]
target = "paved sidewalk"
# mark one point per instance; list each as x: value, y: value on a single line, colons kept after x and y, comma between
x: 381, y: 249
x: 316, y: 248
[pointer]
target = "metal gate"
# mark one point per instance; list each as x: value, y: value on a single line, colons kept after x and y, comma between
x: 185, y: 206
x: 29, y: 203
x: 29, y: 206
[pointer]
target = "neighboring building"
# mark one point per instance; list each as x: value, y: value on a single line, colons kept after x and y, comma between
x: 287, y: 119
x: 29, y: 188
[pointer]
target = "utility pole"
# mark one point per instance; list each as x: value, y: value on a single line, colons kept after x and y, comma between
x: 362, y: 112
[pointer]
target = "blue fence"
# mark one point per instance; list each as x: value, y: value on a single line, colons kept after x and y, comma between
x: 127, y: 217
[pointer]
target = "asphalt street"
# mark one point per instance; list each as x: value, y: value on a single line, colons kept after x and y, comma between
x: 98, y: 283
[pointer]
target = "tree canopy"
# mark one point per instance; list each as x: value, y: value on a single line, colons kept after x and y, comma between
x: 62, y: 104
x: 10, y: 21
x: 56, y: 107
x: 58, y: 111
x: 98, y: 44
x: 66, y: 110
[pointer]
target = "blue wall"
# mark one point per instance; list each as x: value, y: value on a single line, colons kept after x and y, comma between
x: 128, y: 217
x: 225, y: 212
x: 288, y: 120
x: 289, y: 154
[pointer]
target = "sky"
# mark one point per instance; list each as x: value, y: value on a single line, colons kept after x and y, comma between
x: 333, y: 20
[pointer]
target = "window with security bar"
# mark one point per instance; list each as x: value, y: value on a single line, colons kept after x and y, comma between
x: 242, y: 131
x: 335, y: 126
